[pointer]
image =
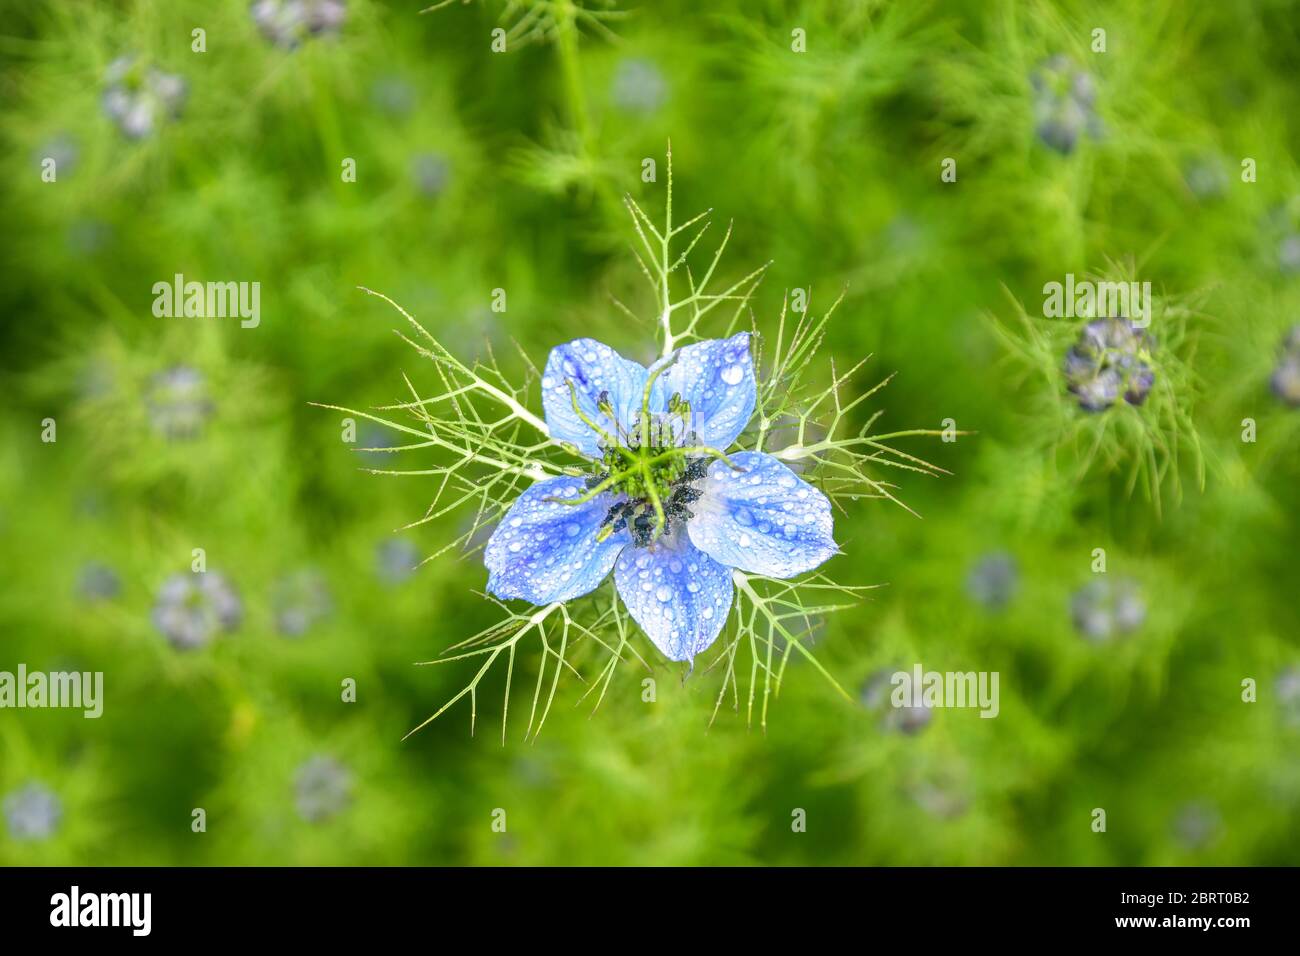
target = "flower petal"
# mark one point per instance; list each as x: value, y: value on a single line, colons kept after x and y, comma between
x: 680, y: 597
x: 544, y: 551
x: 717, y: 378
x: 763, y: 519
x: 592, y: 367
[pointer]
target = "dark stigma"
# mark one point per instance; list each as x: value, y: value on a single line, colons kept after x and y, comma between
x: 638, y: 514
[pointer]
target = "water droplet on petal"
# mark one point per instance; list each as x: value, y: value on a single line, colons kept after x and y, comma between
x: 732, y: 374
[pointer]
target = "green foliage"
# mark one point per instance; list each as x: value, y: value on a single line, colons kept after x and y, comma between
x: 354, y: 547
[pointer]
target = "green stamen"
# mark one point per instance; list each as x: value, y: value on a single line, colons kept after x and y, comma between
x: 645, y: 400
x: 577, y: 410
x: 648, y: 478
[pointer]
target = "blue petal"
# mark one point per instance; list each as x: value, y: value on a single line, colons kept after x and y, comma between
x: 717, y: 378
x: 679, y: 596
x: 544, y: 551
x: 764, y: 519
x: 592, y: 367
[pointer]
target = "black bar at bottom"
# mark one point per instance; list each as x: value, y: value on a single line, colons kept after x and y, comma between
x: 333, y: 905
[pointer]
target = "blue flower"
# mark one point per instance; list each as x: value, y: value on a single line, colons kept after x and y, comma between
x: 1109, y: 360
x: 137, y: 97
x: 1064, y: 98
x: 32, y: 813
x: 662, y: 505
x: 1286, y: 376
x: 288, y: 22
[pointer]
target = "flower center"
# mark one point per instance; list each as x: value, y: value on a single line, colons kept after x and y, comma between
x: 656, y: 494
x: 652, y: 467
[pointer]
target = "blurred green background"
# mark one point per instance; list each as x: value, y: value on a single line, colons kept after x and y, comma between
x: 478, y: 170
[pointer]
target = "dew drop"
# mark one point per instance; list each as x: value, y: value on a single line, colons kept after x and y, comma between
x: 732, y: 374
